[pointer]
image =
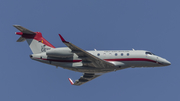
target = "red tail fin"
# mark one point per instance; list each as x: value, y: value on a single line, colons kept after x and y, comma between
x: 37, y: 36
x: 35, y: 40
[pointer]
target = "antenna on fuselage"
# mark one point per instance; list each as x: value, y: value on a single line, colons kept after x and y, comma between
x: 133, y: 49
x: 95, y: 49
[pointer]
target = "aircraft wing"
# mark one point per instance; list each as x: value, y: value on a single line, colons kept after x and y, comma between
x: 85, y: 78
x: 88, y: 59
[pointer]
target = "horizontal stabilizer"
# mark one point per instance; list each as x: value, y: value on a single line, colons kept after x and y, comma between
x: 23, y: 30
x: 21, y: 39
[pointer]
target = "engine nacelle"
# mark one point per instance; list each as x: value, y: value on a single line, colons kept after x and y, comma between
x: 117, y: 63
x: 60, y: 52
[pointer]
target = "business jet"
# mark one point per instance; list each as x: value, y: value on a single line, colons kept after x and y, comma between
x: 91, y: 63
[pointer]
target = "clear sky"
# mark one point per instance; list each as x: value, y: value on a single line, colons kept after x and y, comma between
x: 152, y: 25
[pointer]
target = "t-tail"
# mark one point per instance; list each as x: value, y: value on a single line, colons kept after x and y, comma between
x: 35, y: 40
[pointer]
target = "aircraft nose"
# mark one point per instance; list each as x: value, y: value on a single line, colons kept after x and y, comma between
x: 164, y: 62
x: 167, y: 63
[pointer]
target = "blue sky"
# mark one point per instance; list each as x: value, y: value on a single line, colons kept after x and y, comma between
x: 102, y: 24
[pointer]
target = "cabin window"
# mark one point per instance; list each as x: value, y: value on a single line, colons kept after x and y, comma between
x: 121, y: 54
x: 98, y: 54
x: 127, y: 54
x: 116, y: 54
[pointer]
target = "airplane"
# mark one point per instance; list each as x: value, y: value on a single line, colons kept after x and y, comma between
x: 92, y: 63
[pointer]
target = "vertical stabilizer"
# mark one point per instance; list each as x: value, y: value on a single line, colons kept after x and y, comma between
x: 35, y: 40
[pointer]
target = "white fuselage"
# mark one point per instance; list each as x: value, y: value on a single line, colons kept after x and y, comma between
x: 92, y: 63
x: 63, y: 57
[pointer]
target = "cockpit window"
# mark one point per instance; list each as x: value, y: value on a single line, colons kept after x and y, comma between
x: 149, y: 53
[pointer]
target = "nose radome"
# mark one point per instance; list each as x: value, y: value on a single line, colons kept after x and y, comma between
x: 167, y: 63
x: 164, y: 61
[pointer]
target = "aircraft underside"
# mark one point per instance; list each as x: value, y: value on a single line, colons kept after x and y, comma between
x: 78, y: 67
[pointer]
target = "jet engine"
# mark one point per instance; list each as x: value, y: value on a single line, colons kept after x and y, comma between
x: 60, y: 52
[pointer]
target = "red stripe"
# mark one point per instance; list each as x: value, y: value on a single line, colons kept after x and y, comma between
x: 124, y: 59
x: 131, y: 59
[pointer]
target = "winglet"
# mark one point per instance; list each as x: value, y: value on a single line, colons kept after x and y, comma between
x: 71, y: 81
x: 63, y: 40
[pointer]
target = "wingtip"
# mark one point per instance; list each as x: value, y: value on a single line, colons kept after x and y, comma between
x: 62, y: 39
x: 16, y: 25
x: 71, y: 81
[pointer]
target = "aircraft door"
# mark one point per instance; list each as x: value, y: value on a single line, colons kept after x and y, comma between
x: 157, y: 59
x: 104, y: 55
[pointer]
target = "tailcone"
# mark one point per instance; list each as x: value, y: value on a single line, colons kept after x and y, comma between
x: 18, y: 33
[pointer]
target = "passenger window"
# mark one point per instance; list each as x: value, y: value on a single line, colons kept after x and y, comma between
x: 121, y: 54
x: 116, y: 54
x: 98, y: 54
x: 127, y: 54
